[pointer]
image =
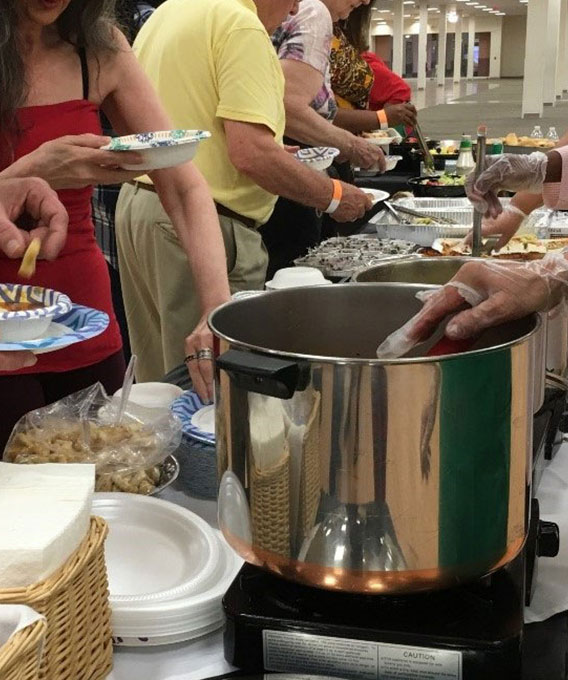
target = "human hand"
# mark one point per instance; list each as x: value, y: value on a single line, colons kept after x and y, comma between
x: 35, y: 198
x: 199, y: 360
x: 482, y: 295
x: 76, y: 161
x: 365, y: 155
x: 507, y: 224
x: 14, y: 361
x: 353, y: 205
x: 401, y: 114
x: 511, y: 172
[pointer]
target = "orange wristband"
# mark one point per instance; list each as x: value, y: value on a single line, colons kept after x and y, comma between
x: 336, y: 198
x: 383, y: 120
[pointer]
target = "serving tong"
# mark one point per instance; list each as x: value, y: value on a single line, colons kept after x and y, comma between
x: 395, y: 210
x: 429, y: 167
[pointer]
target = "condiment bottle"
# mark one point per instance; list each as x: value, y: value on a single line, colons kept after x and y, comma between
x: 537, y: 132
x: 465, y: 163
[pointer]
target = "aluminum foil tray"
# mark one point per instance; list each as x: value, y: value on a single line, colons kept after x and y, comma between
x: 341, y: 257
x: 459, y: 210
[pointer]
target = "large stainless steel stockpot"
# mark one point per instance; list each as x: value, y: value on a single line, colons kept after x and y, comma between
x: 551, y: 346
x: 346, y: 472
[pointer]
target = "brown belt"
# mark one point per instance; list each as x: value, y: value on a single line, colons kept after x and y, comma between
x: 221, y: 209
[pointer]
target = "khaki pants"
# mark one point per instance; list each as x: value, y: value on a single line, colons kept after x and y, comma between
x: 160, y: 297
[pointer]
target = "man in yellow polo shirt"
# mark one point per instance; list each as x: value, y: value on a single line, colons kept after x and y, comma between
x: 214, y: 67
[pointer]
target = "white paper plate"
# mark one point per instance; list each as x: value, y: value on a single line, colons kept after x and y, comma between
x: 176, y: 620
x: 162, y: 149
x: 393, y: 138
x: 376, y: 194
x: 156, y: 550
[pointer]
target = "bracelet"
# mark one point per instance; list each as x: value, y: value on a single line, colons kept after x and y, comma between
x: 516, y: 211
x: 336, y: 198
x: 383, y: 120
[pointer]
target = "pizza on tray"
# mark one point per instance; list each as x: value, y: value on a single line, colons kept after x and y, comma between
x: 519, y: 248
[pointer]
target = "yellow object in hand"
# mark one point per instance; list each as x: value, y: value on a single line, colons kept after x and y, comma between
x: 28, y: 266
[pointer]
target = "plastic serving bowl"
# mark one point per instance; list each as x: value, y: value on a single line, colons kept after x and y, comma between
x: 294, y: 277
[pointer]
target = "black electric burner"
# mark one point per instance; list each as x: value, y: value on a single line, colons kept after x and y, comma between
x: 466, y: 633
x: 471, y: 632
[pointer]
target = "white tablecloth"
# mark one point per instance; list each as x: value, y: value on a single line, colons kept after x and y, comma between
x: 203, y: 658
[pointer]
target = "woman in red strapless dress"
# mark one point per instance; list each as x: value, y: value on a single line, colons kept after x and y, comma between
x: 72, y: 63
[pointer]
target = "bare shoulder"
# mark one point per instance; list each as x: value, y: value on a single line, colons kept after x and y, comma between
x: 109, y: 65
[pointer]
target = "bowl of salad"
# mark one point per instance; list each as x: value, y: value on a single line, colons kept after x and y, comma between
x: 438, y: 186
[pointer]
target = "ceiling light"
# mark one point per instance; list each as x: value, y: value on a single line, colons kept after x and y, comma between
x: 384, y: 11
x: 407, y: 16
x: 452, y: 17
x: 471, y: 4
x: 408, y: 2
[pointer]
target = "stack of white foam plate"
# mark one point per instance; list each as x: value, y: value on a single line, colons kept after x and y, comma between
x: 168, y: 570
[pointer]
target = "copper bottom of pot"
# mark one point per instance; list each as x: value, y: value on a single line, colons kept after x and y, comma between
x: 369, y: 582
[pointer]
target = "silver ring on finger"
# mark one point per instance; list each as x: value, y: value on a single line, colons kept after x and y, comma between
x: 205, y: 353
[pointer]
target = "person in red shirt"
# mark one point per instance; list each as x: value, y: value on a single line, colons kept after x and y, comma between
x: 388, y: 87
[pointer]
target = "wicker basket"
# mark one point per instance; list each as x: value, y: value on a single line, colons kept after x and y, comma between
x: 74, y: 600
x: 20, y: 656
x: 270, y: 505
x: 310, y: 481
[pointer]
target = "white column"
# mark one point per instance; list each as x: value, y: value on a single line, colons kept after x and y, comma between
x: 398, y: 37
x: 536, y: 37
x: 458, y: 50
x: 495, y: 55
x: 470, y: 47
x: 442, y: 42
x: 562, y: 61
x: 551, y: 57
x: 422, y: 43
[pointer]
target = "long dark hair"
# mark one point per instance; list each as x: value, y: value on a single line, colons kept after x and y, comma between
x: 84, y: 23
x: 356, y: 27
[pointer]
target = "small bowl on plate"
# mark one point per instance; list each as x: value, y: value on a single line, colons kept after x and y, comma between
x: 149, y: 400
x: 317, y: 157
x: 296, y: 277
x: 26, y: 311
x: 163, y: 149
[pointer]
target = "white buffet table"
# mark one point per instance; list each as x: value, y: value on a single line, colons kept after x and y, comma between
x: 203, y: 658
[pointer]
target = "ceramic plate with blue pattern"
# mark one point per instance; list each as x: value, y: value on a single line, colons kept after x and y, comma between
x: 198, y: 419
x: 77, y: 325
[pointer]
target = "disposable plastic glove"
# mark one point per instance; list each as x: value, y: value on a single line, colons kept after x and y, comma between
x: 511, y: 172
x: 506, y: 225
x: 496, y: 292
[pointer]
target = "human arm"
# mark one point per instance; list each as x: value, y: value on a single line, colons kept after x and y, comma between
x: 482, y: 295
x: 305, y: 125
x: 356, y: 120
x: 254, y: 152
x: 522, y: 204
x: 184, y: 195
x: 32, y: 197
x: 15, y: 361
x: 74, y: 161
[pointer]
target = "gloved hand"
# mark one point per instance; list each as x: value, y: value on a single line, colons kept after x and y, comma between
x: 507, y: 224
x: 511, y: 172
x: 495, y: 291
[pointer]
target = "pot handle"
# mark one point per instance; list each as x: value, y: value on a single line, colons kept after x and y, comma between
x: 262, y: 374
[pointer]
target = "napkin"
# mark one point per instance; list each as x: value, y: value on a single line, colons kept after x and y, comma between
x: 13, y: 618
x: 44, y: 517
x: 267, y: 431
